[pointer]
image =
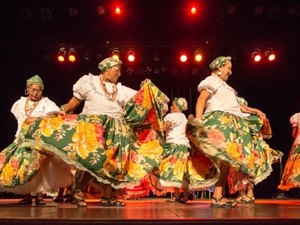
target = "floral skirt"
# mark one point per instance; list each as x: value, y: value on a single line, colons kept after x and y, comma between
x: 239, y: 143
x: 114, y: 151
x: 291, y: 174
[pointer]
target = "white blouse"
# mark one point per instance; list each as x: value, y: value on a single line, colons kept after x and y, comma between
x: 89, y: 90
x: 176, y: 133
x: 222, y: 96
x: 44, y: 106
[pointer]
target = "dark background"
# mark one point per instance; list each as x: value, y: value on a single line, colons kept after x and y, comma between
x: 33, y: 31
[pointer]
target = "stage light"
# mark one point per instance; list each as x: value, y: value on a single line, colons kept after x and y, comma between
x: 256, y: 55
x: 270, y: 55
x: 183, y: 57
x: 131, y: 55
x: 72, y: 55
x: 115, y: 54
x: 198, y: 56
x: 118, y: 10
x: 61, y: 55
x: 193, y: 10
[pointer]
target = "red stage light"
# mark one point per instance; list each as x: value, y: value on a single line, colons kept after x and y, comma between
x: 183, y: 58
x: 256, y: 55
x: 118, y: 10
x: 131, y: 55
x: 270, y: 55
x: 193, y: 10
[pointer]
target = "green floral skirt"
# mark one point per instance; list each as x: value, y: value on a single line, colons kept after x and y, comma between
x: 239, y: 143
x: 119, y: 152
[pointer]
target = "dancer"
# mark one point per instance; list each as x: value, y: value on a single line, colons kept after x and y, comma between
x: 173, y: 167
x: 223, y: 133
x: 107, y: 140
x: 26, y: 110
x: 290, y: 178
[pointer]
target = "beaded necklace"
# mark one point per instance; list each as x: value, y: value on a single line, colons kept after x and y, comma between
x: 30, y: 106
x: 111, y: 96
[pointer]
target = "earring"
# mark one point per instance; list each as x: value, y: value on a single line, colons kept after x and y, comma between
x: 26, y: 92
x: 219, y: 73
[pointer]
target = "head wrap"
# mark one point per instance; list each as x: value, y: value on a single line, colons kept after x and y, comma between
x: 35, y: 80
x: 218, y: 62
x: 181, y: 103
x: 108, y: 63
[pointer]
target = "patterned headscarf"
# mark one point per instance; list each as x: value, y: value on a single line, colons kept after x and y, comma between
x: 108, y: 63
x: 218, y: 62
x: 35, y: 80
x: 181, y: 103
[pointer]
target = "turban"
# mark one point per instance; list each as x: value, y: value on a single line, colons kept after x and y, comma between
x: 108, y: 63
x: 218, y: 62
x: 35, y: 80
x: 181, y: 103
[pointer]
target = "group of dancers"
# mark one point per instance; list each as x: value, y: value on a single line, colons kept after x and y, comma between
x: 123, y: 137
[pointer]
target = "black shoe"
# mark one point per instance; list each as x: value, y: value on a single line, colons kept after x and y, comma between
x: 58, y: 199
x: 27, y: 200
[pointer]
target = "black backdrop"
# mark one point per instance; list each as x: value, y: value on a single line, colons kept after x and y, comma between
x: 29, y: 42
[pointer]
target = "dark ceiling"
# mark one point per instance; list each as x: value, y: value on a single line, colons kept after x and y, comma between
x: 220, y: 23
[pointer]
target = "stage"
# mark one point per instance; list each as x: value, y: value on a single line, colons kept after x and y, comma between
x: 150, y: 211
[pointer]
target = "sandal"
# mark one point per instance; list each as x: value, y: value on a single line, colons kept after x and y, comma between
x: 240, y: 198
x: 185, y: 198
x: 174, y: 199
x: 111, y: 202
x: 39, y: 199
x: 219, y: 204
x: 247, y: 200
x: 105, y: 202
x: 81, y: 203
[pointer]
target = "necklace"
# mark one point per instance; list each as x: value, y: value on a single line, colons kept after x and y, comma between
x: 30, y: 106
x: 111, y: 96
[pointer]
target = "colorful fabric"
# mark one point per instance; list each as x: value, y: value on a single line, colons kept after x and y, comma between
x: 35, y: 80
x: 120, y: 152
x: 181, y: 103
x: 218, y: 62
x: 233, y: 140
x: 291, y: 173
x: 265, y: 157
x: 108, y: 63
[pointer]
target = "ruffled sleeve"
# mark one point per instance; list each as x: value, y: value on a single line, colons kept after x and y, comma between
x: 16, y: 108
x: 211, y: 84
x: 295, y: 120
x: 82, y: 87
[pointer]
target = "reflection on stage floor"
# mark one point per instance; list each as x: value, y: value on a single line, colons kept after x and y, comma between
x: 151, y: 211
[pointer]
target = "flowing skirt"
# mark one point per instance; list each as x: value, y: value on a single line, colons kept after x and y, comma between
x: 239, y: 143
x: 117, y: 152
x: 291, y: 173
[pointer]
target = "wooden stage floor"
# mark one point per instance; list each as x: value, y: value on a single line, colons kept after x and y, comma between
x: 151, y: 211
